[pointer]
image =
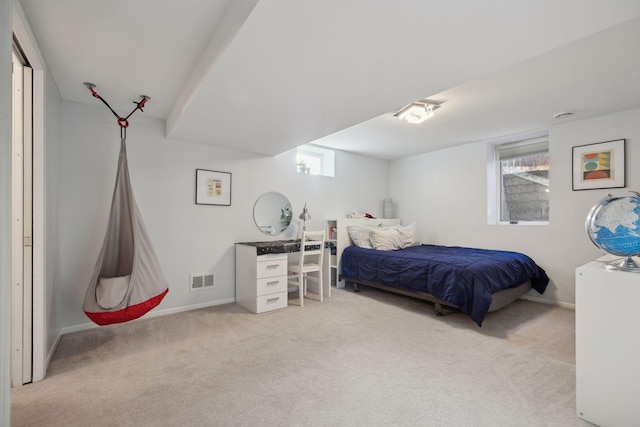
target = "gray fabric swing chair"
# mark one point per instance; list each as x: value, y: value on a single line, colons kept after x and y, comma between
x: 127, y: 280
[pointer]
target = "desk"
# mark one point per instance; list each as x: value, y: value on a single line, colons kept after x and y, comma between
x: 261, y: 273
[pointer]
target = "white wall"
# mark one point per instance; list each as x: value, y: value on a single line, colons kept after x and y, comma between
x: 52, y: 172
x: 188, y: 238
x: 445, y: 192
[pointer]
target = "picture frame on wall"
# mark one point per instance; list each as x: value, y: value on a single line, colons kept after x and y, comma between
x: 213, y: 187
x: 599, y: 165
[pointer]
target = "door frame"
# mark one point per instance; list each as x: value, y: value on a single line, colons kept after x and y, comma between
x: 42, y: 352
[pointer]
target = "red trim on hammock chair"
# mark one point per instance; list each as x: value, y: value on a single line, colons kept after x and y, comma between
x: 127, y: 313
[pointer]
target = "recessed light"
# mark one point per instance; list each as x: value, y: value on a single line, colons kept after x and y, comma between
x: 562, y: 115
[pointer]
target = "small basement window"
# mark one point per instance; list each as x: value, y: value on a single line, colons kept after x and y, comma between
x: 315, y: 160
x: 521, y: 192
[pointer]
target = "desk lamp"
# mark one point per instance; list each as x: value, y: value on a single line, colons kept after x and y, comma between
x: 304, y: 216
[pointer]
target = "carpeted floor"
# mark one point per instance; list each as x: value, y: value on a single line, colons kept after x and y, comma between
x: 358, y: 359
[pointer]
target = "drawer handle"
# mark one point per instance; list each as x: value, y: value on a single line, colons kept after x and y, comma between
x: 273, y: 266
x: 273, y: 299
x: 275, y: 282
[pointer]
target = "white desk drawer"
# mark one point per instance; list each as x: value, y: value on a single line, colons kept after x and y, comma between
x: 271, y: 285
x: 271, y: 302
x: 271, y: 268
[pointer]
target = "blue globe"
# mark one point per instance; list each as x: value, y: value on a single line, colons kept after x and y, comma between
x: 613, y: 225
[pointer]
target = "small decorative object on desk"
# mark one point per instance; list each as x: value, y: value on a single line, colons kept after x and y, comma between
x: 613, y: 225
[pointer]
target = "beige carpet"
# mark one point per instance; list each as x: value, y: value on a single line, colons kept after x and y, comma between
x: 358, y: 359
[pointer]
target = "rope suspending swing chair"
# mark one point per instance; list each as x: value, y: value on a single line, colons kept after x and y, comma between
x: 127, y: 280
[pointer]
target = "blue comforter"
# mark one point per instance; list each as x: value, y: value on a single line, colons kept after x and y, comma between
x: 465, y: 277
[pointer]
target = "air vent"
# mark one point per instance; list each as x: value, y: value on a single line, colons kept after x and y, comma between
x: 201, y: 281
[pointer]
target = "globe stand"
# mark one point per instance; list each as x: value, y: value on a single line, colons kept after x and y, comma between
x: 624, y: 264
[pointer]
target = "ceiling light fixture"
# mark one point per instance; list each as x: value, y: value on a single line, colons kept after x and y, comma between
x: 417, y: 112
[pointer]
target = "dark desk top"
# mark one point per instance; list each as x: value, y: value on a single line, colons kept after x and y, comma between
x: 279, y: 246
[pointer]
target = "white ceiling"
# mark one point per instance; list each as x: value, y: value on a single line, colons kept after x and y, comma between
x: 268, y: 75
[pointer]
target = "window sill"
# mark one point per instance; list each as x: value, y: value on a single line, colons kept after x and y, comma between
x: 523, y: 223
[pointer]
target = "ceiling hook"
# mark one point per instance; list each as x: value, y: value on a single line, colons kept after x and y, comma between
x: 140, y: 104
x: 91, y: 87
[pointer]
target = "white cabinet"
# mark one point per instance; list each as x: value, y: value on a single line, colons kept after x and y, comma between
x: 607, y: 346
x: 261, y: 280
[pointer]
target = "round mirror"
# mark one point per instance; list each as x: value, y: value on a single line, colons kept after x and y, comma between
x: 272, y: 213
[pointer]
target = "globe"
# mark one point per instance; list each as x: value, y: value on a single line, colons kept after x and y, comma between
x: 613, y: 225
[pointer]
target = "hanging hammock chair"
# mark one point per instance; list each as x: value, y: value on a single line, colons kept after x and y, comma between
x: 127, y: 280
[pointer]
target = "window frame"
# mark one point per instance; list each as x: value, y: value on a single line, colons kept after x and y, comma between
x: 494, y: 193
x: 325, y: 155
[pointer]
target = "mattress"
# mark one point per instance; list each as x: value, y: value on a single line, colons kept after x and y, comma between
x: 463, y: 277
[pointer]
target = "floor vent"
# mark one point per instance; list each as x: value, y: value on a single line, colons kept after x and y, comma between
x: 200, y: 282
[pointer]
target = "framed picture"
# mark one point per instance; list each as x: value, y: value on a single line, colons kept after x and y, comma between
x: 213, y: 188
x: 599, y: 165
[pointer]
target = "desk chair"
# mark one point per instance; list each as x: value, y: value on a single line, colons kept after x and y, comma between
x: 311, y: 253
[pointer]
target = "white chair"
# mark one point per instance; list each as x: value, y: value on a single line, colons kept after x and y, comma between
x: 311, y: 253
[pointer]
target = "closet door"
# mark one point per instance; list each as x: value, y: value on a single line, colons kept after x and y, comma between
x: 22, y: 223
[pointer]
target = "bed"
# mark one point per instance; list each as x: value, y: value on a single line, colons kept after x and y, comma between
x: 475, y: 281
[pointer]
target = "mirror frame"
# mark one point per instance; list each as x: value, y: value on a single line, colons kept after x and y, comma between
x: 272, y: 213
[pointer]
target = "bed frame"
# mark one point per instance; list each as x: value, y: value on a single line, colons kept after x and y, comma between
x: 500, y: 299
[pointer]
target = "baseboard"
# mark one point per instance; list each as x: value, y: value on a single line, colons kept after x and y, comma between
x: 549, y: 301
x: 152, y: 313
x: 52, y: 351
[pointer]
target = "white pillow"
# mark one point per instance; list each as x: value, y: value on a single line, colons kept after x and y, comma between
x: 409, y: 235
x: 110, y: 292
x: 360, y: 236
x: 386, y: 239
